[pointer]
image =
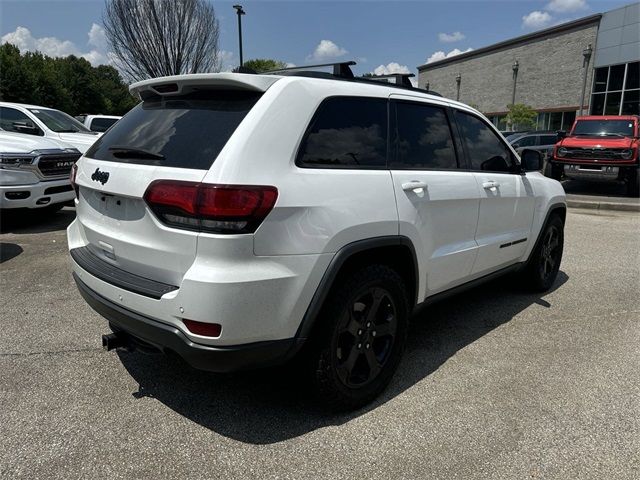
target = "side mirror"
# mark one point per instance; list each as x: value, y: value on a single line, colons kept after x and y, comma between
x: 25, y: 127
x: 531, y: 160
x: 560, y: 134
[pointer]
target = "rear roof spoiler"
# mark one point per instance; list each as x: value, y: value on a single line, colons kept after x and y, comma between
x: 182, y: 84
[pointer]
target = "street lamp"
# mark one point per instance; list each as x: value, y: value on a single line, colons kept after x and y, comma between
x: 458, y: 80
x: 515, y: 67
x: 240, y: 12
x: 586, y: 54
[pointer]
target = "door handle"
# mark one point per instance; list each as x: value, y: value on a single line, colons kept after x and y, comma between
x: 413, y: 185
x: 490, y: 185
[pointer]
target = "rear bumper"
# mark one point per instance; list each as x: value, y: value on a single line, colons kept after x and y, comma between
x: 168, y: 338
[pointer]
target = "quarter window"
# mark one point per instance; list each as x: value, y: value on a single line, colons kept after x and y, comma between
x: 423, y: 138
x: 347, y: 132
x: 485, y: 150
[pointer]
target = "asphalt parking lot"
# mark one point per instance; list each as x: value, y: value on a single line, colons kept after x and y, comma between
x: 496, y: 383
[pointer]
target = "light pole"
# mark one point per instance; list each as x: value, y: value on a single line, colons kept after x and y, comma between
x: 586, y: 53
x: 240, y: 12
x: 458, y: 80
x: 515, y: 67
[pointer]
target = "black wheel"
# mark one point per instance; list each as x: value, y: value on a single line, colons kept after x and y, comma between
x: 544, y: 264
x: 633, y: 184
x: 362, y: 336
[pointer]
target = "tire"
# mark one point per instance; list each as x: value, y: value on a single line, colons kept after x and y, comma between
x: 361, y: 336
x: 543, y: 266
x: 633, y: 183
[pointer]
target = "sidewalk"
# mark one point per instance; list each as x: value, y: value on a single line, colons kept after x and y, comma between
x: 595, y: 202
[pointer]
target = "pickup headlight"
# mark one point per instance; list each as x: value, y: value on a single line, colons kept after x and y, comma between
x: 15, y: 160
x: 627, y: 154
x: 561, y: 152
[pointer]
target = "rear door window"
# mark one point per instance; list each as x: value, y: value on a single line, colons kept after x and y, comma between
x: 548, y: 139
x: 187, y: 131
x: 423, y: 138
x: 346, y: 132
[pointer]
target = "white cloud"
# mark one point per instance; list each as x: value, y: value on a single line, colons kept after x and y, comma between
x: 97, y: 37
x: 440, y: 55
x: 566, y: 5
x: 451, y: 37
x: 326, y: 50
x: 390, y: 68
x: 290, y: 65
x: 536, y: 19
x: 22, y: 38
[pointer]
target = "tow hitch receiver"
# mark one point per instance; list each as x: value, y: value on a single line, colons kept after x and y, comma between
x: 115, y: 340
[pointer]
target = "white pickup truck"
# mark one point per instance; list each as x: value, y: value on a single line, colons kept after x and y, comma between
x: 97, y: 123
x: 46, y: 122
x: 34, y: 171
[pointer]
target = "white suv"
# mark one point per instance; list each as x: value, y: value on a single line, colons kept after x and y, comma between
x: 240, y: 220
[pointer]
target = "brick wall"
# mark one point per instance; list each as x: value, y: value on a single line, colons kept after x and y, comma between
x: 549, y: 75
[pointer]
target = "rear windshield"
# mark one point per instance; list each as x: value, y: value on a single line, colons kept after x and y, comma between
x: 179, y: 131
x: 613, y: 128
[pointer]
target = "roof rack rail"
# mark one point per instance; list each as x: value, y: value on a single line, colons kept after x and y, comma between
x: 400, y: 78
x: 340, y: 69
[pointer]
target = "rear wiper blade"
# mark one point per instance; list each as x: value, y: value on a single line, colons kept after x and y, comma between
x: 123, y: 151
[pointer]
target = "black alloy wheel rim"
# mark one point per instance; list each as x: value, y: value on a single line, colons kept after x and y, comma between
x: 365, y: 337
x: 550, y: 253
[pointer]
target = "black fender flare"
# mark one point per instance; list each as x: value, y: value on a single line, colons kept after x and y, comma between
x: 336, y: 264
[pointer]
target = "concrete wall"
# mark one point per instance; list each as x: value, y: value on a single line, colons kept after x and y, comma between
x: 550, y: 73
x: 619, y: 36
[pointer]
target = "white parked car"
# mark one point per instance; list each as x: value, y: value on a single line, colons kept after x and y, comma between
x: 34, y: 171
x: 97, y: 123
x: 243, y: 220
x: 45, y: 122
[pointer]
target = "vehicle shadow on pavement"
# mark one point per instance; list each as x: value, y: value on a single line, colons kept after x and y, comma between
x: 38, y: 221
x: 9, y: 251
x: 270, y: 406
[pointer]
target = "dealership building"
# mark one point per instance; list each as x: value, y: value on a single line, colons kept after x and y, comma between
x: 593, y: 61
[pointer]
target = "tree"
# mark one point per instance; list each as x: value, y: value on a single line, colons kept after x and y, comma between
x: 521, y: 116
x: 264, y: 64
x: 69, y: 84
x: 154, y: 38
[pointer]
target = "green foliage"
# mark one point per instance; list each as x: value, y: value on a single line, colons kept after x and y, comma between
x: 264, y: 64
x: 69, y: 84
x: 521, y: 116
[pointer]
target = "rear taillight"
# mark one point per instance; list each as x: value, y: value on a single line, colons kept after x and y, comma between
x: 72, y: 178
x: 210, y: 208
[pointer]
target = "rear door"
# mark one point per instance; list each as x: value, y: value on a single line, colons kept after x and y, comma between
x: 507, y: 198
x: 437, y: 201
x: 176, y: 138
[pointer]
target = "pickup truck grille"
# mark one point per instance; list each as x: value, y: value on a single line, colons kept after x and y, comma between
x: 56, y: 165
x: 595, y: 153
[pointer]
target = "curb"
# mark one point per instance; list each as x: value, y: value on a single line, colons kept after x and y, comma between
x: 597, y: 205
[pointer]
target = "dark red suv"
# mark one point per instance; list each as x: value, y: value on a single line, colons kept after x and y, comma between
x: 600, y: 148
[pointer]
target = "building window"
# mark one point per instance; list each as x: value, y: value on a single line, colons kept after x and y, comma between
x: 555, y: 120
x: 615, y: 90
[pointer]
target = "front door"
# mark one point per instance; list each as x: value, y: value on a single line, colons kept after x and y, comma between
x: 507, y: 199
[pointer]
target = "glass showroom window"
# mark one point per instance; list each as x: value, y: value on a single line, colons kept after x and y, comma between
x: 616, y: 90
x: 555, y: 120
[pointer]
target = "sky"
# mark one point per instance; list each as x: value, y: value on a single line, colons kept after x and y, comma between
x: 381, y: 36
